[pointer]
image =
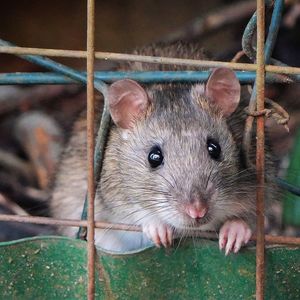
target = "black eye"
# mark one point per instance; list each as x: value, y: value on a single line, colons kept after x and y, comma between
x: 213, y: 148
x: 155, y: 157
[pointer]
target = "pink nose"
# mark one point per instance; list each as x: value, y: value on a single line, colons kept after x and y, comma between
x: 196, y: 213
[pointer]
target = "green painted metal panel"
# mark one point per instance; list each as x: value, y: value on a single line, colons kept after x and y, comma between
x: 43, y: 268
x: 198, y: 270
x: 291, y: 203
x: 55, y: 268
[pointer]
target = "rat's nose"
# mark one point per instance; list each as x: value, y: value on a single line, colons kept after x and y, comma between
x: 196, y: 211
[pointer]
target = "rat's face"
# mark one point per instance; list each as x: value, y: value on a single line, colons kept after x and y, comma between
x: 178, y: 160
x: 181, y: 163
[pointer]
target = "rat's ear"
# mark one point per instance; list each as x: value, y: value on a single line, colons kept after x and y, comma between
x: 127, y: 101
x: 224, y: 90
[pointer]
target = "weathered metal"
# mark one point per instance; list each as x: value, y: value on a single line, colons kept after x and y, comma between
x: 55, y: 268
x: 90, y: 147
x: 250, y: 51
x: 260, y: 152
x: 28, y: 53
x: 196, y: 269
x: 143, y: 77
x: 291, y: 203
x: 57, y: 67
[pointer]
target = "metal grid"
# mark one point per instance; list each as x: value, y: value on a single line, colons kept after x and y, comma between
x: 63, y: 74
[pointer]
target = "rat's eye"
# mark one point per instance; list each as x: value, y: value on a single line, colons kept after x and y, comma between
x: 155, y: 157
x: 213, y: 148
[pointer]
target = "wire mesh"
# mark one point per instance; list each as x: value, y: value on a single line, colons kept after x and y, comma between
x: 63, y: 74
x: 260, y: 153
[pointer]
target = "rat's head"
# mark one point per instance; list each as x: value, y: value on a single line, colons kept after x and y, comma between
x: 177, y: 158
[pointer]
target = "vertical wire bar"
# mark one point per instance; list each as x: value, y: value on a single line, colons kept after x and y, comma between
x: 260, y: 154
x: 90, y: 145
x: 270, y: 43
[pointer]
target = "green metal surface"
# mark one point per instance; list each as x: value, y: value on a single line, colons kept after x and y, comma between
x: 43, y: 268
x: 291, y: 203
x: 55, y: 268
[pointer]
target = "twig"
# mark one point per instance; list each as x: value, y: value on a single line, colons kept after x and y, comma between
x: 238, y: 56
x: 13, y: 163
x: 292, y: 15
x: 36, y: 194
x: 42, y: 140
x: 20, y: 98
x: 11, y: 187
x: 213, y: 21
x: 13, y: 207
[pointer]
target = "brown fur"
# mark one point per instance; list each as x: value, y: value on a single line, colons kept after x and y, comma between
x: 179, y: 119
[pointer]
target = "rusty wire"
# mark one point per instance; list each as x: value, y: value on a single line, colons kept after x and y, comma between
x: 90, y: 55
x: 260, y: 151
x: 147, y: 59
x: 281, y: 240
x: 90, y: 146
x: 250, y: 51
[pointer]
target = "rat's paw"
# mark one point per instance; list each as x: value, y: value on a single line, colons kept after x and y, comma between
x: 234, y: 234
x: 160, y: 234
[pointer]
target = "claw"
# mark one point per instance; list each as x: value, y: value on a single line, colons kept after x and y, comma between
x: 233, y: 235
x: 160, y: 234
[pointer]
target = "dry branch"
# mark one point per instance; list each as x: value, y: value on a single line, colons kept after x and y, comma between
x: 16, y: 98
x: 42, y: 140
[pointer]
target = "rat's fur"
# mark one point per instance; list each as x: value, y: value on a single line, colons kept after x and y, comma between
x: 179, y: 119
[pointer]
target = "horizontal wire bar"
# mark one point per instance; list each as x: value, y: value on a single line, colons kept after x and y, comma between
x: 143, y: 58
x: 125, y: 227
x: 66, y: 222
x: 58, y: 67
x: 144, y: 77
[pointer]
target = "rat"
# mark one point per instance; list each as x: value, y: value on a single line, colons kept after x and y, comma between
x: 173, y: 163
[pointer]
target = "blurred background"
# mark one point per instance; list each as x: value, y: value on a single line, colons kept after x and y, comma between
x: 121, y: 25
x: 35, y: 121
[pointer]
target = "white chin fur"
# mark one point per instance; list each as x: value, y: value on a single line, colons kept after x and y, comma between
x: 125, y: 134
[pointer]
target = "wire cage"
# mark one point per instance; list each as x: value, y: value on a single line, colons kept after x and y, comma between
x: 264, y: 69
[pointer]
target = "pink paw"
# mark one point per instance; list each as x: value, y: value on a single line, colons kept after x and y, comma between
x: 160, y: 234
x: 234, y: 234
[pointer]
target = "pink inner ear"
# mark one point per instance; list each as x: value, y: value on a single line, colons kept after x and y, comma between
x: 128, y: 101
x: 223, y: 90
